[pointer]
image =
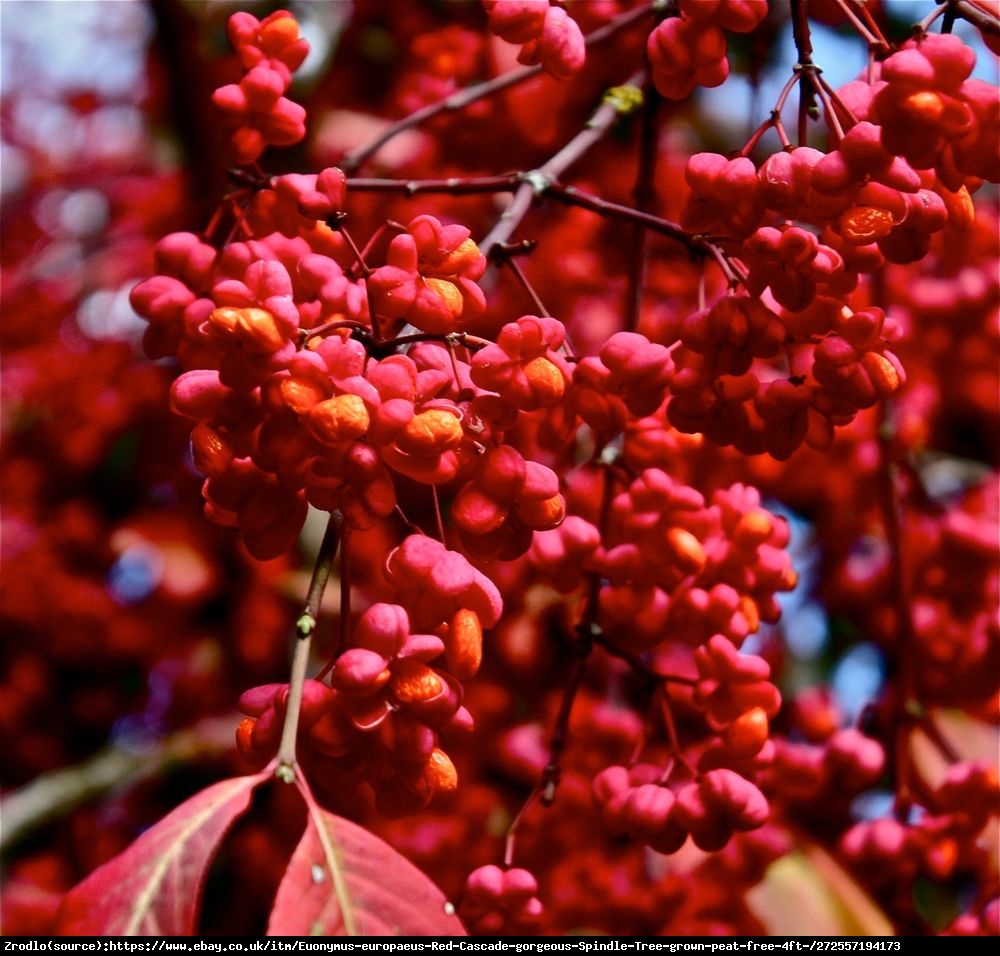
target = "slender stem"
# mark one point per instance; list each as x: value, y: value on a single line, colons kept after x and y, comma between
x: 511, y: 263
x: 366, y: 271
x: 698, y: 244
x: 836, y: 108
x: 786, y: 91
x: 356, y: 327
x: 869, y: 19
x: 572, y: 196
x: 545, y: 792
x: 924, y: 25
x: 639, y: 665
x: 772, y: 122
x: 438, y: 520
x: 304, y: 628
x: 454, y: 185
x: 645, y: 195
x: 905, y: 709
x: 52, y: 795
x: 455, y: 101
x: 560, y: 733
x: 508, y: 849
x: 337, y: 222
x: 823, y: 91
x: 985, y: 20
x: 806, y: 70
x: 345, y: 592
x: 873, y: 38
x: 701, y: 245
x: 671, y: 728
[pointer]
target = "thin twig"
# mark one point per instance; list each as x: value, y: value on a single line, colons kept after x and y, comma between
x: 639, y: 665
x: 535, y: 183
x: 304, y: 628
x: 645, y: 195
x: 560, y: 732
x: 453, y: 185
x: 873, y: 38
x: 455, y: 101
x: 55, y: 794
x: 982, y: 19
x: 481, y: 91
x: 697, y: 244
x: 904, y: 709
x: 511, y: 263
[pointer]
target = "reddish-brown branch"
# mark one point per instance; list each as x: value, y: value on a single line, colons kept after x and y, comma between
x: 560, y: 733
x: 866, y: 26
x: 572, y: 196
x: 645, y: 195
x: 982, y: 19
x: 536, y: 182
x: 455, y: 101
x: 639, y: 665
x: 904, y: 710
x: 806, y: 71
x: 60, y: 792
x: 453, y: 185
x: 481, y: 91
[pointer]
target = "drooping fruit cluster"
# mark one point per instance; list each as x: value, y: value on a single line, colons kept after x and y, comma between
x: 689, y: 49
x: 380, y: 717
x: 259, y: 113
x: 547, y: 33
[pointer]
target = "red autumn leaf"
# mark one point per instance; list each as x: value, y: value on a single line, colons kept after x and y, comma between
x: 154, y: 887
x: 344, y: 881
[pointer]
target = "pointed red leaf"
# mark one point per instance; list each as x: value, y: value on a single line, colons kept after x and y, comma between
x: 154, y: 887
x: 344, y: 881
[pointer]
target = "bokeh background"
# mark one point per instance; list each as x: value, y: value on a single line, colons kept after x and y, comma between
x: 128, y: 624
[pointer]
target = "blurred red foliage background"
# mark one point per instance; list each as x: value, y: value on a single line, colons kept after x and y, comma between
x: 131, y: 625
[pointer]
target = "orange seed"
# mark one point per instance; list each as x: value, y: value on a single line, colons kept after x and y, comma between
x: 413, y: 682
x: 339, y: 419
x: 440, y: 772
x: 465, y: 644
